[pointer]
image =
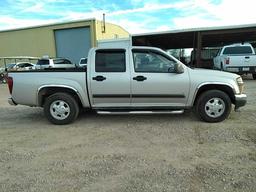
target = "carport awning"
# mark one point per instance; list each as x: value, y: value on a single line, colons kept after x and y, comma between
x: 166, y: 41
x: 209, y: 37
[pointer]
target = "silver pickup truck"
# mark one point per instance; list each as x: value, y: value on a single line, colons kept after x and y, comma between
x: 126, y: 80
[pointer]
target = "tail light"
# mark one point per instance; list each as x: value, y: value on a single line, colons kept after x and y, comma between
x: 227, y: 60
x: 10, y: 83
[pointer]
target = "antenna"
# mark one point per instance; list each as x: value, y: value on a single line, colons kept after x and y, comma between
x: 103, y: 30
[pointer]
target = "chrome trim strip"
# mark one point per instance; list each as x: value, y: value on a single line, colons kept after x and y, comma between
x: 138, y: 112
x: 241, y: 101
x: 138, y: 96
x: 241, y: 96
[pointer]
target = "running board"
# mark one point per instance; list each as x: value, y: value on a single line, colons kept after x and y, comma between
x: 139, y: 112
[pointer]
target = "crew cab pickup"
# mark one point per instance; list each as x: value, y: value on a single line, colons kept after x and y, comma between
x: 237, y: 58
x: 128, y: 80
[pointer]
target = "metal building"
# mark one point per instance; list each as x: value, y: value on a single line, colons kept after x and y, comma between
x: 70, y: 39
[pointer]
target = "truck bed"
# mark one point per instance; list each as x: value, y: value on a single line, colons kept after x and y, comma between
x: 27, y: 84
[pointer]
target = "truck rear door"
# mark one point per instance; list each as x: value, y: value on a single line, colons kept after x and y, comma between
x: 109, y: 78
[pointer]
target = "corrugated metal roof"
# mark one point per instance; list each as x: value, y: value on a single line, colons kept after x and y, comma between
x: 197, y: 29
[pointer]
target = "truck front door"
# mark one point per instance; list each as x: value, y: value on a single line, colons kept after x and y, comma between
x: 110, y: 78
x: 154, y: 82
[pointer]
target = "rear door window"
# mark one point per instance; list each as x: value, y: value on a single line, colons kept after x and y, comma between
x: 110, y: 60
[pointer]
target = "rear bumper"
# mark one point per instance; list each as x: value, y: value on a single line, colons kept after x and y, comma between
x: 241, y: 70
x: 240, y: 100
x: 11, y: 102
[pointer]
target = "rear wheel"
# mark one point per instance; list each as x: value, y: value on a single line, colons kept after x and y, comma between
x: 254, y: 76
x: 213, y: 106
x: 61, y: 108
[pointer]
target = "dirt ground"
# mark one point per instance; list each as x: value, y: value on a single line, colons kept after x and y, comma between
x: 127, y: 153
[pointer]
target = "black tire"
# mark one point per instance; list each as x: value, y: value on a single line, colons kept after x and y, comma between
x: 221, y: 67
x: 254, y: 76
x: 210, y: 112
x: 67, y: 108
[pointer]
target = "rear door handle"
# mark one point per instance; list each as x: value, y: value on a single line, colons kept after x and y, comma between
x: 139, y: 78
x: 247, y: 57
x: 99, y: 78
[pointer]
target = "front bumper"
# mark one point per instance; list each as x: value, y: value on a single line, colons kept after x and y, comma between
x: 240, y: 100
x: 11, y: 102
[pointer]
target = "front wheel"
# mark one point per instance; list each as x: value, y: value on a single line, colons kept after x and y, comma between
x: 213, y: 106
x: 254, y: 76
x: 61, y: 108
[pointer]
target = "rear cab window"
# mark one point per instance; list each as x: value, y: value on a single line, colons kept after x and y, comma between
x: 239, y: 50
x: 110, y: 60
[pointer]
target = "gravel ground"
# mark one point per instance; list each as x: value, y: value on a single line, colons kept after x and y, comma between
x: 127, y: 153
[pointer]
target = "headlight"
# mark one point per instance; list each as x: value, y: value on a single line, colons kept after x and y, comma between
x: 240, y: 84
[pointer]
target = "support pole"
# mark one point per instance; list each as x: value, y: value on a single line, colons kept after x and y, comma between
x: 199, y: 49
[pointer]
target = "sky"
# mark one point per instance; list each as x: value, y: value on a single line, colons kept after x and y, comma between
x: 136, y: 16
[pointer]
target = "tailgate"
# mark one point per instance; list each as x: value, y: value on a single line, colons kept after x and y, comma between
x: 240, y: 63
x: 243, y: 61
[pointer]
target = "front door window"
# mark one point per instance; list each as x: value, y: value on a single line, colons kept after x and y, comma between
x: 152, y: 62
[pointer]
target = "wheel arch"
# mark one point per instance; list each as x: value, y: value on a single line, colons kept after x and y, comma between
x: 226, y: 88
x: 47, y: 90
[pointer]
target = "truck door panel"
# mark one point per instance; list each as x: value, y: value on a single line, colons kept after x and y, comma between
x: 110, y: 78
x: 154, y: 84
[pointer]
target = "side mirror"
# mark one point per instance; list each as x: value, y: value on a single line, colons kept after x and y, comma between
x: 178, y: 68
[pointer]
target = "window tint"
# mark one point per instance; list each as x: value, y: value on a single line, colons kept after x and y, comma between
x: 20, y: 65
x: 43, y: 62
x: 237, y: 50
x: 9, y: 66
x: 110, y: 61
x: 83, y: 61
x: 152, y: 61
x: 61, y: 61
x: 27, y: 65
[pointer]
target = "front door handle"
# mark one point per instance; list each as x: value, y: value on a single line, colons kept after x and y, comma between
x: 139, y: 78
x: 99, y: 78
x: 247, y: 57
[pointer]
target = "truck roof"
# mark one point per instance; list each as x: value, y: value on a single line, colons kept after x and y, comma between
x: 238, y: 44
